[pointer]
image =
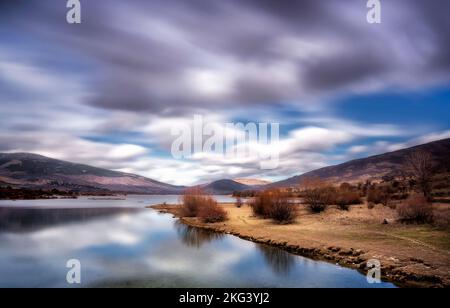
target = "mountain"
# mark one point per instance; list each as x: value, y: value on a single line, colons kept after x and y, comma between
x: 33, y: 171
x: 224, y: 187
x: 374, y: 167
x: 252, y: 182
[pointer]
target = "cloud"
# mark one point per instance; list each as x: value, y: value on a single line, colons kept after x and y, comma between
x: 67, y: 147
x: 389, y: 147
x: 357, y: 149
x: 148, y: 56
x: 108, y: 92
x: 380, y: 146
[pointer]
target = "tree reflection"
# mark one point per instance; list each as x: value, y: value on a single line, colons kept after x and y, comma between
x: 279, y: 261
x: 195, y: 237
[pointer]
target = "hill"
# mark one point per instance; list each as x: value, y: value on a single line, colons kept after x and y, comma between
x: 374, y: 167
x: 224, y: 187
x: 24, y: 170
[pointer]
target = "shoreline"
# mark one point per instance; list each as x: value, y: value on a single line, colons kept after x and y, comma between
x: 410, y: 272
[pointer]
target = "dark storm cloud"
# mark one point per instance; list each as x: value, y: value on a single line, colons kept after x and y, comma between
x: 436, y: 15
x: 345, y: 68
x: 139, y: 54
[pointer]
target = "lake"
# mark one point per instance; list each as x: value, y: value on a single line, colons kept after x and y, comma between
x: 120, y: 243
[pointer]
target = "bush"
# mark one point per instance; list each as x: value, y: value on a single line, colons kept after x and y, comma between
x: 379, y: 195
x: 344, y: 206
x: 318, y: 199
x: 275, y: 205
x: 400, y: 196
x: 345, y: 198
x: 239, y: 202
x: 441, y: 219
x: 212, y: 213
x: 415, y: 210
x: 283, y: 211
x: 262, y: 204
x: 197, y: 204
x: 392, y: 205
x: 191, y: 201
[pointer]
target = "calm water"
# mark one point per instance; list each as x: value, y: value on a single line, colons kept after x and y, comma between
x: 119, y: 243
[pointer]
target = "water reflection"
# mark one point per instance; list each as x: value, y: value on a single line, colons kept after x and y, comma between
x: 141, y: 248
x: 195, y: 237
x: 279, y: 261
x: 33, y: 219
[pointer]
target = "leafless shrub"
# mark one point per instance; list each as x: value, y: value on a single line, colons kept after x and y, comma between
x: 283, y: 211
x: 317, y: 194
x: 261, y: 203
x: 415, y: 209
x: 345, y: 198
x: 275, y: 205
x: 212, y: 213
x: 195, y: 203
x: 441, y: 219
x: 192, y: 199
x: 379, y: 195
x: 239, y: 202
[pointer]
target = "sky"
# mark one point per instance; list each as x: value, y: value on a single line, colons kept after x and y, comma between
x: 107, y: 92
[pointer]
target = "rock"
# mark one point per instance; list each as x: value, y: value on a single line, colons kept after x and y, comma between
x: 359, y: 260
x: 416, y: 260
x: 292, y: 248
x: 357, y: 252
x: 346, y: 252
x: 334, y: 249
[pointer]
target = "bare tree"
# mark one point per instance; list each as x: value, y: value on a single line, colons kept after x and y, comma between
x: 421, y: 168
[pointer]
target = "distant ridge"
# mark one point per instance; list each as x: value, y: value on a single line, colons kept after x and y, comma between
x: 25, y: 170
x: 34, y: 171
x: 224, y: 187
x: 374, y: 167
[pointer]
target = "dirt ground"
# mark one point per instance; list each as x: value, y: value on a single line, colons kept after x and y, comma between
x: 410, y: 255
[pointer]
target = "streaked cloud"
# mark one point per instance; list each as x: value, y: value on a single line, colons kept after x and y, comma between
x: 107, y: 92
